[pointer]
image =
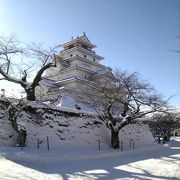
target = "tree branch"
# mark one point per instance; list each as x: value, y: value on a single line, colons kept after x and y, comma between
x: 11, y: 79
x: 40, y: 72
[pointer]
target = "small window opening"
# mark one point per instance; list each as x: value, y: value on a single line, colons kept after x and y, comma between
x: 84, y: 56
x: 77, y: 107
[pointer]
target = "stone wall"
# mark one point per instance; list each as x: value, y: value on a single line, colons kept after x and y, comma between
x: 67, y: 128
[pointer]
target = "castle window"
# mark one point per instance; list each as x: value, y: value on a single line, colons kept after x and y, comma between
x: 71, y: 55
x: 84, y: 56
x: 94, y: 60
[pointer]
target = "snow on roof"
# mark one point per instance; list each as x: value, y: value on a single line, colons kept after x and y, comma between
x: 47, y: 105
x: 103, y: 71
x: 83, y: 38
x: 48, y: 82
x: 65, y: 79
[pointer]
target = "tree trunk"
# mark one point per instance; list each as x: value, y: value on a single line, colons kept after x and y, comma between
x: 30, y: 94
x: 12, y: 113
x: 114, y: 139
x: 21, y: 139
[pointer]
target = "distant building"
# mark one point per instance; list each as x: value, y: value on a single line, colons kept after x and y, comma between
x: 77, y: 63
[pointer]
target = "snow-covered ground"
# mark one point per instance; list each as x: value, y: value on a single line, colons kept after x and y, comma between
x: 154, y: 162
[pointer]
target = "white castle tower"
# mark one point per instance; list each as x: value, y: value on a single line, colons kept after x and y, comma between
x: 78, y: 64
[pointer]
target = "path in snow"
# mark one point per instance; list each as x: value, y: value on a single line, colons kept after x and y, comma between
x: 156, y: 163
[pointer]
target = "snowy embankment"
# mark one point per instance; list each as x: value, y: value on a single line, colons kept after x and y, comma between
x: 74, y: 138
x: 67, y: 128
x: 156, y: 162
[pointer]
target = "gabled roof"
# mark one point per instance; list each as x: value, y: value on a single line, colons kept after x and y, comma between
x: 82, y: 39
x: 106, y: 70
x: 85, y: 38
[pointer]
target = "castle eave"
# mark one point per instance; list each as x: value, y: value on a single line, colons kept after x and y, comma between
x: 66, y: 80
x: 78, y: 67
x: 84, y: 59
x: 72, y: 79
x: 82, y: 50
x: 77, y: 40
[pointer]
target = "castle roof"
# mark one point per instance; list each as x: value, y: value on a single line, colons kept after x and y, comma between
x: 83, y: 59
x: 79, y: 39
x: 106, y: 70
x: 48, y: 82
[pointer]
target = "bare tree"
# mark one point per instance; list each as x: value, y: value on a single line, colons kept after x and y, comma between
x: 121, y: 99
x: 18, y: 60
x: 164, y: 123
x: 13, y: 109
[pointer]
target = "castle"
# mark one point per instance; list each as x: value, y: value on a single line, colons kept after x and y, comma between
x: 78, y: 63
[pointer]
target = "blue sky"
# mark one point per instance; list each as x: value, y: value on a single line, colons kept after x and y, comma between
x: 134, y: 35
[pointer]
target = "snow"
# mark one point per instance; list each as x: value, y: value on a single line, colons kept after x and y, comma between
x: 67, y: 103
x: 76, y: 129
x: 69, y: 127
x: 64, y: 80
x: 156, y: 162
x: 74, y: 154
x: 12, y: 90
